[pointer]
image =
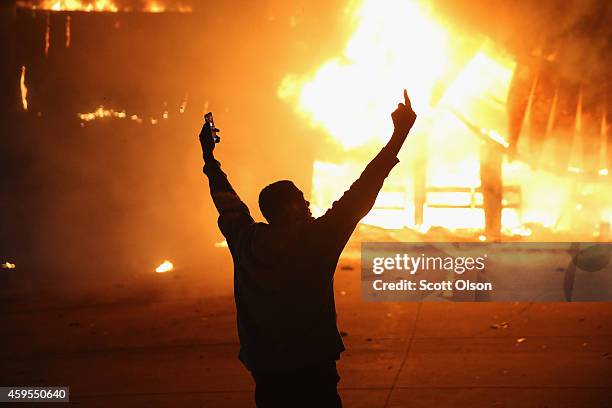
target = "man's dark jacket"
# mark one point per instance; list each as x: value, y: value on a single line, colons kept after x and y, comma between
x: 283, y: 275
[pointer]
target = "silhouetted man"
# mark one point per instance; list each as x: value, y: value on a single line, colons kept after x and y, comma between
x: 284, y: 275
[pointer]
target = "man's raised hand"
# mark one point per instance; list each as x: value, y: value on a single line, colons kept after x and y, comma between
x: 403, y: 117
x: 207, y: 142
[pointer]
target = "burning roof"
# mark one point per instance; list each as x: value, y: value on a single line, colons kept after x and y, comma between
x: 111, y: 6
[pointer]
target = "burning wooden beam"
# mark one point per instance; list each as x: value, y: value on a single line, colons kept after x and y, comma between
x: 67, y: 31
x: 24, y: 89
x: 47, y: 34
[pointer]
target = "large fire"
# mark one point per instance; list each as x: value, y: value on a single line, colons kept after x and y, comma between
x: 376, y: 60
x: 459, y: 92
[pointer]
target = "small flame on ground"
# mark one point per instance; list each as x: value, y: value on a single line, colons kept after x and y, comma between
x: 8, y: 265
x: 165, y: 266
x: 24, y: 89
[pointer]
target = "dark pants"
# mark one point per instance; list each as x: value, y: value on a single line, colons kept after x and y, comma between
x: 311, y: 386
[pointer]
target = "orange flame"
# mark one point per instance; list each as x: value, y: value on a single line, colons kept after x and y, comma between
x: 396, y: 45
x: 24, y: 89
x: 400, y: 44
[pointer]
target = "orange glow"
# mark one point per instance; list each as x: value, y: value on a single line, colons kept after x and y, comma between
x: 165, y: 266
x: 8, y: 265
x: 24, y: 89
x: 154, y: 7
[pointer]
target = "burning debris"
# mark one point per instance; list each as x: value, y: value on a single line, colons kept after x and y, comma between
x: 165, y: 266
x: 101, y: 112
x: 23, y: 88
x: 104, y: 113
x: 8, y: 265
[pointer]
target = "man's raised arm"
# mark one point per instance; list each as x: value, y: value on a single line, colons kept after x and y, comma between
x: 360, y: 198
x: 233, y: 213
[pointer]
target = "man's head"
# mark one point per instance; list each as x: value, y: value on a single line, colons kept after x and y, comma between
x: 283, y: 202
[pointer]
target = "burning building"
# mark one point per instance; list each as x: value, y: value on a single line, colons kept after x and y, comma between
x: 511, y: 132
x: 512, y: 136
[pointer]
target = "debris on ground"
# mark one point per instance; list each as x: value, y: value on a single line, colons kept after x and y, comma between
x: 502, y: 325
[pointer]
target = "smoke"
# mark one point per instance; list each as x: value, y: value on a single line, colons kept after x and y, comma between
x: 575, y: 34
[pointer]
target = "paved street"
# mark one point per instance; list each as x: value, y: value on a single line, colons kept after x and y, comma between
x: 169, y: 340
